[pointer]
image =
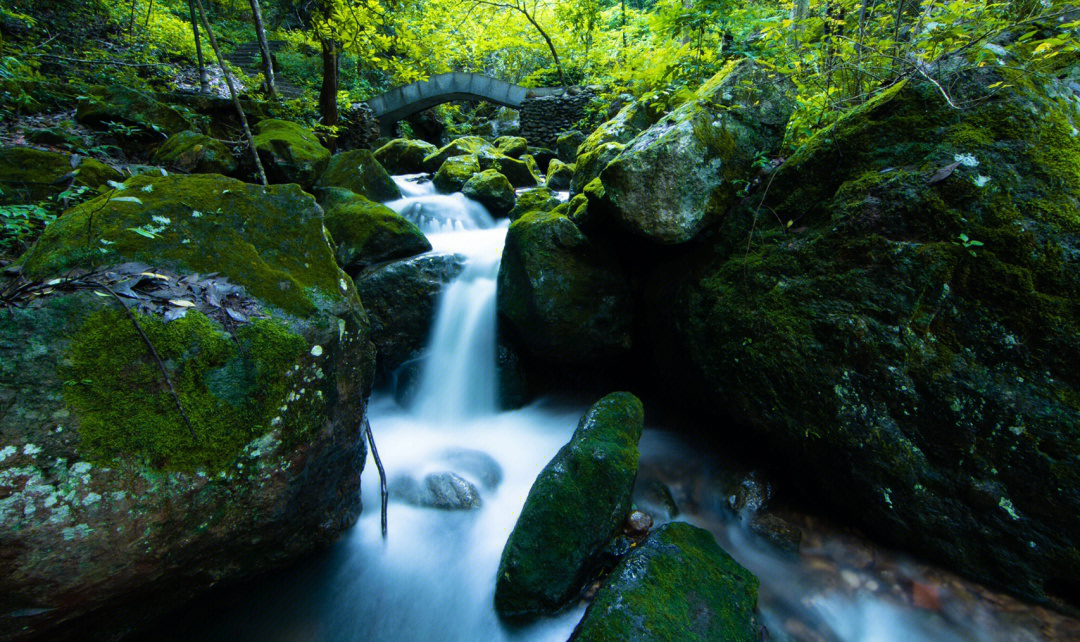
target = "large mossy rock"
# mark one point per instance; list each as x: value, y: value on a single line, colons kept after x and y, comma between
x: 520, y: 172
x: 30, y: 175
x: 400, y: 298
x: 563, y: 299
x: 467, y: 146
x: 404, y: 156
x: 359, y: 172
x: 591, y: 163
x: 678, y: 585
x: 194, y: 153
x: 512, y: 146
x: 559, y: 175
x: 132, y: 108
x: 290, y: 153
x: 927, y: 384
x: 682, y: 174
x: 492, y: 190
x: 112, y: 511
x: 577, y: 504
x: 566, y: 145
x: 366, y: 232
x: 455, y: 172
x: 541, y: 199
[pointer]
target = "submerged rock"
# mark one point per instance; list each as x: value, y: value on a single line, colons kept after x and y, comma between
x: 678, y: 585
x: 194, y: 153
x: 681, y: 174
x: 911, y: 342
x: 446, y: 491
x: 100, y: 468
x: 563, y: 300
x: 492, y: 190
x: 577, y: 504
x: 476, y: 463
x: 360, y: 172
x: 404, y: 156
x: 289, y: 153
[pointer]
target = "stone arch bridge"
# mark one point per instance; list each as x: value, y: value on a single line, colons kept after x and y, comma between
x: 544, y: 111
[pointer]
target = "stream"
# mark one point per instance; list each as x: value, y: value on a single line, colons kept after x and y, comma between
x: 432, y: 579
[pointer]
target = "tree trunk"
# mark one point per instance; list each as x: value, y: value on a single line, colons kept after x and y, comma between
x: 328, y: 93
x: 232, y: 92
x: 204, y: 77
x: 264, y: 46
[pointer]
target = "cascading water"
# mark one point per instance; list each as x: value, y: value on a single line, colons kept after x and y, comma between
x: 433, y: 578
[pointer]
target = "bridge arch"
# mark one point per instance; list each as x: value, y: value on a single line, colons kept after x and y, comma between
x: 443, y: 88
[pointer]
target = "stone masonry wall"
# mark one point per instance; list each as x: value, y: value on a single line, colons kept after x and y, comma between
x: 544, y: 118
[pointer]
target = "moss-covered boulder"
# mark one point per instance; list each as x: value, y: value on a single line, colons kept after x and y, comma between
x: 359, y: 172
x: 591, y: 163
x: 455, y: 172
x: 512, y: 146
x: 492, y: 190
x: 680, y: 175
x: 542, y: 156
x: 678, y: 585
x: 561, y: 298
x: 559, y: 175
x: 120, y: 498
x: 194, y: 153
x: 566, y: 145
x: 466, y: 146
x: 400, y: 298
x: 290, y: 153
x: 541, y: 199
x: 30, y: 175
x: 577, y: 504
x: 404, y: 156
x: 366, y: 232
x: 131, y: 108
x: 630, y: 121
x: 519, y: 172
x: 910, y: 343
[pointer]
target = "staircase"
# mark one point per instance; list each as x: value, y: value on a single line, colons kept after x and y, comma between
x: 248, y: 58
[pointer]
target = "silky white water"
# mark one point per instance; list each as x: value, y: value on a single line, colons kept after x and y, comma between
x: 433, y: 578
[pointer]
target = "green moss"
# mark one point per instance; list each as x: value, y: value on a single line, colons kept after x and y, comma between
x: 120, y: 104
x: 466, y: 146
x: 403, y: 156
x: 290, y: 153
x: 492, y: 190
x: 541, y: 199
x: 230, y: 390
x: 365, y: 232
x: 269, y: 240
x: 31, y: 175
x: 193, y: 152
x: 455, y: 172
x: 359, y: 172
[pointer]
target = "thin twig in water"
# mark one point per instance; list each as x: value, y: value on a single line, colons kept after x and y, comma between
x: 154, y: 352
x: 382, y: 474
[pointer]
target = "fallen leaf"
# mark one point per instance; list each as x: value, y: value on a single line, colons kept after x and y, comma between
x: 944, y: 173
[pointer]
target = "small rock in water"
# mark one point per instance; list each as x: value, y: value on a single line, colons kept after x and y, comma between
x: 476, y: 463
x: 752, y: 494
x: 638, y: 524
x: 447, y: 491
x: 776, y: 532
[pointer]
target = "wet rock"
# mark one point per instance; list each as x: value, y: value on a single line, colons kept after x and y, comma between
x: 492, y: 190
x: 359, y: 172
x: 541, y: 199
x: 653, y: 492
x: 681, y: 174
x: 404, y: 156
x: 776, y: 531
x: 752, y: 493
x: 638, y: 524
x: 577, y: 504
x: 105, y: 475
x: 445, y: 491
x: 476, y: 463
x: 400, y: 299
x: 678, y: 585
x: 563, y: 300
x: 513, y: 379
x: 289, y: 153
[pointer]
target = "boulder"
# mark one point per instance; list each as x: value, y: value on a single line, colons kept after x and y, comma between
x: 467, y: 146
x: 143, y: 499
x: 563, y: 299
x: 358, y: 128
x: 630, y: 121
x: 512, y: 146
x: 31, y: 175
x: 492, y: 190
x: 910, y: 341
x: 559, y: 175
x: 404, y: 156
x: 359, y: 172
x: 289, y: 153
x: 155, y: 120
x: 591, y: 163
x: 567, y: 144
x: 455, y: 172
x: 543, y: 157
x: 365, y: 232
x: 678, y: 585
x: 577, y: 504
x: 446, y: 491
x: 520, y: 173
x: 679, y: 176
x: 541, y: 199
x: 400, y: 299
x: 194, y: 153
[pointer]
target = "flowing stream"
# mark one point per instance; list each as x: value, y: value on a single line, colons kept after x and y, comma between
x: 433, y: 578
